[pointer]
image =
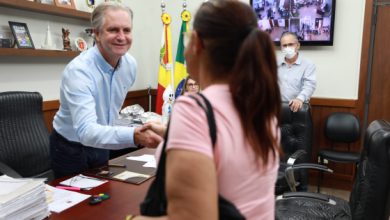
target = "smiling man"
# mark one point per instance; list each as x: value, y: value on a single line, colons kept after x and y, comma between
x: 93, y: 88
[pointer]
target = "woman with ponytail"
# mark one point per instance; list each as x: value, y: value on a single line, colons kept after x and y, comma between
x: 235, y: 65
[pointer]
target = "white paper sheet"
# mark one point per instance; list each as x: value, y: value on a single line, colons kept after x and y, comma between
x: 8, y: 184
x: 150, y: 164
x: 143, y: 158
x: 128, y: 174
x: 59, y: 199
x: 148, y: 158
x: 83, y: 181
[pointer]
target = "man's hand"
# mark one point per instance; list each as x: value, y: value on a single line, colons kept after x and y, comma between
x: 155, y: 126
x: 295, y: 104
x: 146, y: 138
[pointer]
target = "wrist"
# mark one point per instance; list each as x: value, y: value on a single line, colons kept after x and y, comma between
x: 136, y: 137
x: 300, y: 99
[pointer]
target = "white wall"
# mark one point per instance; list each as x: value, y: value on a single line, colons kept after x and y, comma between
x: 337, y: 66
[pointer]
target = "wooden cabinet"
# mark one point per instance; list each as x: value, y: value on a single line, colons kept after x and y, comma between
x: 45, y: 9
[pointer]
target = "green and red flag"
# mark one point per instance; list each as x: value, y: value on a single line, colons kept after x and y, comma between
x: 165, y: 74
x: 180, y: 72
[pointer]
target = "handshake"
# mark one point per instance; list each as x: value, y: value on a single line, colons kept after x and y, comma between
x: 150, y: 134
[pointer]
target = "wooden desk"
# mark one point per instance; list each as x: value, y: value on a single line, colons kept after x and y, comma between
x: 125, y: 199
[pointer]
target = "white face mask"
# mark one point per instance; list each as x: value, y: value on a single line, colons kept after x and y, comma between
x: 289, y: 52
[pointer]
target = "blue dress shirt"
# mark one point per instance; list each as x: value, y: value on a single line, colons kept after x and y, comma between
x: 91, y: 95
x: 297, y: 80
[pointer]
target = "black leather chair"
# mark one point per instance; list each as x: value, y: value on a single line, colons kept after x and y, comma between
x: 24, y: 138
x: 296, y: 141
x: 340, y: 127
x: 370, y: 196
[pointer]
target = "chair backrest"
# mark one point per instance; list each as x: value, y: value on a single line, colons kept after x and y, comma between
x: 342, y: 127
x: 296, y: 130
x: 24, y: 138
x: 370, y: 194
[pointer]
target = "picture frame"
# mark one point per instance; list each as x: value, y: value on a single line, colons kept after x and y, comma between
x: 47, y: 2
x: 81, y: 44
x: 65, y: 4
x: 21, y: 34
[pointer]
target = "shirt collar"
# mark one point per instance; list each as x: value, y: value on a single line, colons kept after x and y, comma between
x: 101, y: 62
x: 282, y: 61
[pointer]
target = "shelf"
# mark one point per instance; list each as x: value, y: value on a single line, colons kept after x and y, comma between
x: 45, y: 8
x: 36, y: 53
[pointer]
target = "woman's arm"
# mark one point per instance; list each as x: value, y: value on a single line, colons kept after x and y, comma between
x: 191, y: 185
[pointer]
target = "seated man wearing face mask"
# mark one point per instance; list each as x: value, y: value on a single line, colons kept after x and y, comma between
x: 297, y: 79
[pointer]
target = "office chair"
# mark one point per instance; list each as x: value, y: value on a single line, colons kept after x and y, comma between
x: 340, y: 127
x: 370, y: 196
x: 296, y: 142
x: 24, y: 138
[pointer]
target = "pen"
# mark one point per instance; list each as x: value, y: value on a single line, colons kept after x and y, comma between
x: 71, y: 188
x: 117, y: 165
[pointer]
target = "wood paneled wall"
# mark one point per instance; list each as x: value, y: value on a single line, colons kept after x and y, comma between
x: 343, y: 173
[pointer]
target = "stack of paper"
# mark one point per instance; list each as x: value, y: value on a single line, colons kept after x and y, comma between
x: 22, y: 198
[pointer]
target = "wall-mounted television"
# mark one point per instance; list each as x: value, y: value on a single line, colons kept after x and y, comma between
x: 311, y: 20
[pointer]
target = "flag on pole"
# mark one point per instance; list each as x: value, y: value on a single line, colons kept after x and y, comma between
x: 180, y: 72
x: 165, y: 74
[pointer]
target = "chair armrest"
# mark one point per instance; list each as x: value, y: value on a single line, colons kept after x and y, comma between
x: 5, y: 169
x: 314, y: 166
x: 309, y: 195
x: 289, y: 172
x: 296, y: 155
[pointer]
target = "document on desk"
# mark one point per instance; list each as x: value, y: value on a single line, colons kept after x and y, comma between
x: 148, y: 158
x: 82, y: 181
x: 125, y: 175
x: 60, y: 199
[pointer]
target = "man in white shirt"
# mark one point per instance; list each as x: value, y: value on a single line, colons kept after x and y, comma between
x: 297, y: 79
x: 93, y: 88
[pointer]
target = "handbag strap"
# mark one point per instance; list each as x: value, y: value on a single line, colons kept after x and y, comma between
x: 226, y: 209
x: 160, y: 173
x: 208, y: 109
x: 206, y: 106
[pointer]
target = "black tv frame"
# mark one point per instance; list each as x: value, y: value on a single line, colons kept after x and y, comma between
x: 331, y: 11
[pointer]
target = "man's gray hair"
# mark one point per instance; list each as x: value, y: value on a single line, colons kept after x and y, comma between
x: 97, y: 18
x: 289, y: 33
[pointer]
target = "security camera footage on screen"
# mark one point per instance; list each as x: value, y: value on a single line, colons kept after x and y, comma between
x: 311, y: 20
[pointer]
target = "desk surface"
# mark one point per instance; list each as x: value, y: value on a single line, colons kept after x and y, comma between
x: 125, y: 199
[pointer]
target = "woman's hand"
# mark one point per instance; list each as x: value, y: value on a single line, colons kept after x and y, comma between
x: 156, y: 127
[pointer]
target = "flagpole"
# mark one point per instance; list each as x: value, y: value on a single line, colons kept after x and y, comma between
x: 164, y: 89
x: 172, y: 79
x: 150, y: 97
x: 170, y: 65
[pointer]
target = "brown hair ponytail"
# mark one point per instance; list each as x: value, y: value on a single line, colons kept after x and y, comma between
x: 237, y: 50
x: 255, y: 91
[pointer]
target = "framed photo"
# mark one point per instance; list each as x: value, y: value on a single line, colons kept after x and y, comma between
x: 65, y: 3
x: 48, y: 2
x: 81, y: 44
x: 21, y: 34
